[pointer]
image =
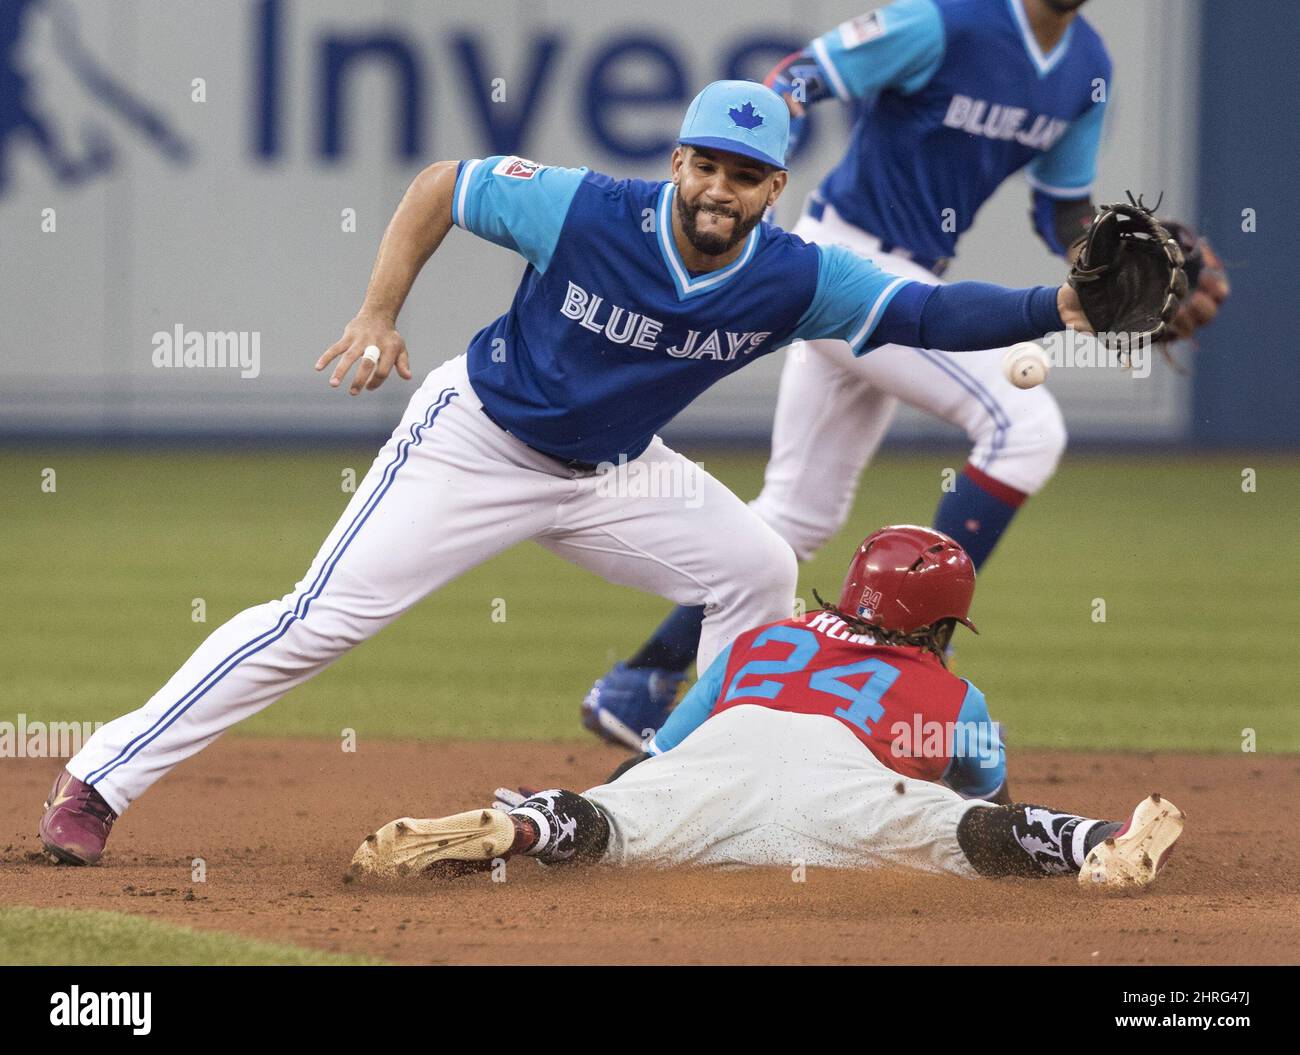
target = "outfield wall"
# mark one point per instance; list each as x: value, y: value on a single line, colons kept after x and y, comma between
x: 228, y: 168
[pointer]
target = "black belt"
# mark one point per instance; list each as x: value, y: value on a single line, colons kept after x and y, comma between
x: 576, y: 464
x: 817, y: 208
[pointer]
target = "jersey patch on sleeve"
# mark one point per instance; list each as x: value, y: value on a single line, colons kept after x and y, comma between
x: 858, y: 31
x: 517, y: 168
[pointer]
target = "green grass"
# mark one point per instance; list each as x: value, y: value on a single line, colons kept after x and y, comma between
x: 53, y: 936
x: 1199, y: 581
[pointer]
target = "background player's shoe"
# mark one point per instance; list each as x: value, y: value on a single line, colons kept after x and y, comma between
x: 627, y: 701
x: 442, y: 846
x: 1134, y: 855
x: 77, y: 821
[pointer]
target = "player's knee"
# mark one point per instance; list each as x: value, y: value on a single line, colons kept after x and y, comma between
x: 757, y: 575
x: 806, y: 538
x: 1041, y: 439
x: 1028, y: 448
x: 806, y: 531
x: 321, y: 639
x: 770, y: 568
x: 1050, y: 433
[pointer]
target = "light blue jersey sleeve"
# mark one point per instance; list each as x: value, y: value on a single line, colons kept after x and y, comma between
x: 515, y: 203
x: 979, y: 764
x: 696, y: 706
x: 1068, y: 169
x: 852, y: 293
x: 898, y: 46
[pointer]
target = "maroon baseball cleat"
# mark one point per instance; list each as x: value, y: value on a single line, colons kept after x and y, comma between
x: 77, y: 821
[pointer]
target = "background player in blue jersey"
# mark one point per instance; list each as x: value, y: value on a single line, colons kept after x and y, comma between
x: 635, y: 297
x: 953, y: 97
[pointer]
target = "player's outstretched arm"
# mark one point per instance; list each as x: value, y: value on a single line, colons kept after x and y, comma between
x: 970, y: 316
x: 417, y: 228
x: 857, y: 302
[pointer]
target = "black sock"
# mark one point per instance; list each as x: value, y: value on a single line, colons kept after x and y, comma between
x: 1098, y: 832
x: 673, y: 645
x: 570, y: 828
x: 1028, y: 840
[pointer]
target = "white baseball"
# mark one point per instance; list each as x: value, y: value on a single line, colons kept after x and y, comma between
x: 1025, y: 365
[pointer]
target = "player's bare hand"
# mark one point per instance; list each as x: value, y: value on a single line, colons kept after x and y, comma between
x: 366, y: 331
x: 1202, y: 304
x: 1071, y: 311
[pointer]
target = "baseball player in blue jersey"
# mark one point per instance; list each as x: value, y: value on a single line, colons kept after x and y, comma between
x: 953, y: 97
x: 635, y: 297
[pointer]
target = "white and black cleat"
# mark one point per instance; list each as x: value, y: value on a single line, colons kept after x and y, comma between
x: 1133, y: 857
x: 455, y: 845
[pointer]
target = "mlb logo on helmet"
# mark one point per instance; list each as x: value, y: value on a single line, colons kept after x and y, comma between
x: 869, y: 602
x: 741, y: 117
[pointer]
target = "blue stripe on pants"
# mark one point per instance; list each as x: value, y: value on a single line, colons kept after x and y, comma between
x: 260, y: 642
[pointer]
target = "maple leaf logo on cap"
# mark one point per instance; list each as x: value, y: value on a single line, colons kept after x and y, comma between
x: 746, y: 116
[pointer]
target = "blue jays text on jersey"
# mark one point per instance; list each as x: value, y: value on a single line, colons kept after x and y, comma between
x: 609, y: 335
x: 955, y: 96
x: 620, y: 325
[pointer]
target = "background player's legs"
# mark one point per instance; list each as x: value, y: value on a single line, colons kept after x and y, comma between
x: 689, y: 539
x: 446, y: 492
x: 1018, y: 436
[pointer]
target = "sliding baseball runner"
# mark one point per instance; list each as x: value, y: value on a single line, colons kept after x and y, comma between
x: 837, y: 739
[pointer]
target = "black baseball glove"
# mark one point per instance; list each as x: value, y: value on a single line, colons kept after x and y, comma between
x: 1128, y: 274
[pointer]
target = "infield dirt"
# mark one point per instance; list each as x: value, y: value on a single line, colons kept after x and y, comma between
x: 276, y: 822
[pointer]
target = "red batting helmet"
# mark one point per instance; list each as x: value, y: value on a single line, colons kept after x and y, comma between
x: 904, y: 578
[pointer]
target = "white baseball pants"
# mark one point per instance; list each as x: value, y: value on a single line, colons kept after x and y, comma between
x: 756, y: 786
x: 448, y: 491
x: 833, y: 412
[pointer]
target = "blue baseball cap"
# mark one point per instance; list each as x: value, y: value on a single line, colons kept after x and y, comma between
x: 743, y: 117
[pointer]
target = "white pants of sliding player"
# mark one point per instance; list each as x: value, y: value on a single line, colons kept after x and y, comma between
x: 833, y: 411
x: 755, y: 786
x: 447, y: 492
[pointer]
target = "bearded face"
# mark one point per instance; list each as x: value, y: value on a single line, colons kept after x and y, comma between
x: 721, y: 197
x: 714, y: 229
